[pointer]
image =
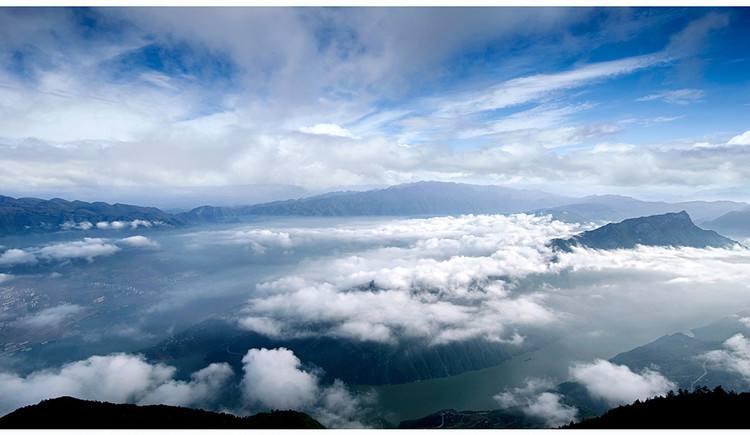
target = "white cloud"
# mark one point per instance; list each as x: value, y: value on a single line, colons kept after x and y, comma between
x: 740, y: 139
x: 138, y: 242
x: 537, y: 400
x: 118, y: 378
x: 617, y: 384
x: 87, y: 249
x: 83, y: 225
x: 5, y: 277
x: 327, y: 130
x: 734, y: 358
x: 51, y: 317
x: 52, y: 141
x: 15, y: 256
x: 532, y: 88
x: 201, y: 389
x: 677, y: 96
x: 274, y: 379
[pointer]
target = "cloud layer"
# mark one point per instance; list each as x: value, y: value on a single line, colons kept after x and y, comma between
x: 86, y: 249
x: 455, y: 278
x: 440, y: 280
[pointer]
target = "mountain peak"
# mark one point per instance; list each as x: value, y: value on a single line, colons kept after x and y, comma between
x: 669, y: 229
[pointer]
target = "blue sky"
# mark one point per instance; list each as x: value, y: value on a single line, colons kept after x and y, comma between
x: 650, y: 102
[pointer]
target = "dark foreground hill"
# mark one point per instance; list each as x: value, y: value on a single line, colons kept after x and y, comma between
x: 670, y: 229
x: 452, y: 419
x: 700, y: 409
x: 72, y: 413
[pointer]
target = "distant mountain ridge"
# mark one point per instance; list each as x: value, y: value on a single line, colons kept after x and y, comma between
x: 427, y: 198
x: 71, y: 413
x: 421, y: 198
x: 616, y: 208
x: 424, y: 198
x: 736, y: 223
x: 670, y: 229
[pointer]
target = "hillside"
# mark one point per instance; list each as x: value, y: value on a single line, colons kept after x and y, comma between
x: 72, y: 413
x: 670, y: 229
x: 28, y: 215
x: 700, y: 409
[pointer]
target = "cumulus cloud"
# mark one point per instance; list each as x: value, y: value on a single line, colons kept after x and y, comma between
x: 51, y: 317
x: 15, y: 256
x: 275, y: 379
x: 109, y: 225
x: 440, y: 280
x: 734, y: 358
x: 83, y: 225
x: 138, y: 242
x: 87, y: 249
x: 617, y: 384
x: 537, y: 399
x: 740, y: 139
x: 118, y: 378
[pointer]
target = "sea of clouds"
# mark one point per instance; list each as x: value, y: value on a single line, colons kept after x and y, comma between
x: 434, y: 281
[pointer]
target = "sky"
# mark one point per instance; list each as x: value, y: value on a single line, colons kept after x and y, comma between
x: 649, y: 102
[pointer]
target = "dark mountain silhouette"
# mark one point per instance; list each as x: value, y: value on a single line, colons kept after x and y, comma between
x: 71, y: 413
x: 671, y: 229
x: 27, y: 215
x: 736, y: 223
x: 700, y: 409
x: 452, y: 419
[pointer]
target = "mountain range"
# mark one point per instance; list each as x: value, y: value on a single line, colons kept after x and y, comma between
x: 427, y: 198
